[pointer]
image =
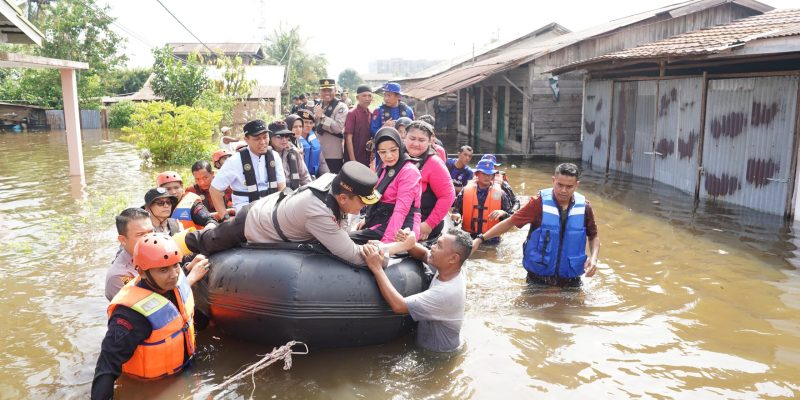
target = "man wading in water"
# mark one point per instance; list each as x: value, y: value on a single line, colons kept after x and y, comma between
x: 561, y: 222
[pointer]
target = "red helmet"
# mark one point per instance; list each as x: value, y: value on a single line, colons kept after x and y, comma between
x: 167, y: 177
x: 219, y: 154
x: 156, y: 250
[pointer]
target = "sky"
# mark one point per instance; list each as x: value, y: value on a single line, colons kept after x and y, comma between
x: 351, y: 33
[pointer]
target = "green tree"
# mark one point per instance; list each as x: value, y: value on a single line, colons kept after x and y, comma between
x: 233, y: 80
x: 173, y: 134
x: 125, y: 81
x: 350, y: 79
x: 303, y: 70
x: 177, y: 81
x: 75, y: 30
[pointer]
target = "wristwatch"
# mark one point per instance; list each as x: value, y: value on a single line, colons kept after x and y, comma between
x: 480, y: 236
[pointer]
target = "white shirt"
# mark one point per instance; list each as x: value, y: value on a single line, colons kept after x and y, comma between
x: 232, y: 175
x: 440, y: 313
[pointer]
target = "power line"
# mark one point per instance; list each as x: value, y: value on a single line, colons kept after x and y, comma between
x: 184, y: 27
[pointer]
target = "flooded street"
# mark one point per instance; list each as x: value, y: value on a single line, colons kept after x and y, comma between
x: 685, y: 304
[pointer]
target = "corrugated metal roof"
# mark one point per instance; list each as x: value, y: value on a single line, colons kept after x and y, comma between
x: 225, y: 48
x: 533, y: 49
x: 775, y: 23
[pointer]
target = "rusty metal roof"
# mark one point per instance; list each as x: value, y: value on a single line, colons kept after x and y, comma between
x: 460, y: 76
x: 777, y: 23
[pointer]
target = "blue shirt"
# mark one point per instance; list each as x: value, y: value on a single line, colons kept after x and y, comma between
x: 460, y: 176
x: 377, y: 116
x: 311, y: 153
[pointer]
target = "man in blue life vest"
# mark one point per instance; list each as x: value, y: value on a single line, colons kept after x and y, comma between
x: 151, y: 320
x: 561, y: 221
x: 391, y: 110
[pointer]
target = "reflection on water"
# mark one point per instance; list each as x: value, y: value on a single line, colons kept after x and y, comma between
x: 686, y: 303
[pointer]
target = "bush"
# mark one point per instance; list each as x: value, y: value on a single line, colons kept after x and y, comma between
x: 174, y: 135
x: 210, y: 99
x: 119, y: 115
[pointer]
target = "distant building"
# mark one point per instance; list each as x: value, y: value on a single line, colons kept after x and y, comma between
x: 400, y: 67
x: 248, y: 51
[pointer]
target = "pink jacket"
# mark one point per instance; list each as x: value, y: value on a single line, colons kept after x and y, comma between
x: 436, y: 175
x: 440, y: 151
x: 404, y: 192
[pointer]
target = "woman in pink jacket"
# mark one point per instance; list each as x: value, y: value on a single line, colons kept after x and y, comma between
x: 436, y: 185
x: 399, y: 185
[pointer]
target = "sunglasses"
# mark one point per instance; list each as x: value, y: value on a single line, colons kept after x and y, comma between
x: 162, y: 203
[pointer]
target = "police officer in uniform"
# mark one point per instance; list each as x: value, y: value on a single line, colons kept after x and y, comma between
x: 252, y: 172
x: 331, y: 114
x: 316, y: 211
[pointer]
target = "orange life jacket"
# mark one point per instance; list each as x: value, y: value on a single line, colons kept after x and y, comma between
x: 162, y: 353
x: 183, y: 211
x: 476, y: 216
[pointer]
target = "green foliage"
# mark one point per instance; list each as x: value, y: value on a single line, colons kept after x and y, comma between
x: 75, y: 30
x: 119, y: 115
x: 213, y: 100
x: 304, y: 70
x: 233, y: 82
x: 125, y: 81
x: 178, y: 82
x: 350, y: 79
x: 173, y: 134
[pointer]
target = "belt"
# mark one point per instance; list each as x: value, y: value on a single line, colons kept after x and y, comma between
x: 261, y: 193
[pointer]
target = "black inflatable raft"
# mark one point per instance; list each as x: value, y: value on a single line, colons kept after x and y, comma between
x: 275, y: 293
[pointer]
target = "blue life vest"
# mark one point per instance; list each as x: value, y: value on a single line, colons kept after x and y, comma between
x: 311, y: 153
x: 550, y: 252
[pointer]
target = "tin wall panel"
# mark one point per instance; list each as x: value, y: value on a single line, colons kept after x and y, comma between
x: 678, y: 132
x: 596, y: 128
x: 748, y: 142
x: 645, y: 129
x: 633, y: 130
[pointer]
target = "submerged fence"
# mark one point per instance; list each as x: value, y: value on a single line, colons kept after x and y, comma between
x: 90, y: 119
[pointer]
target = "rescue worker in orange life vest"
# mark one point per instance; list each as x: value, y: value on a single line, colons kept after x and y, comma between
x: 151, y: 330
x: 482, y: 203
x: 190, y: 211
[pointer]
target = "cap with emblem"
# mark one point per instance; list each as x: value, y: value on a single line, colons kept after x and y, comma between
x: 327, y: 84
x: 305, y: 115
x: 358, y: 179
x: 393, y: 87
x: 278, y: 128
x: 254, y: 128
x: 158, y: 193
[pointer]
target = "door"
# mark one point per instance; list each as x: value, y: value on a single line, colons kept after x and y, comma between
x: 748, y: 142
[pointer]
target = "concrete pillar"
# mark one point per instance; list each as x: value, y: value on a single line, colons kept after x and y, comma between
x: 69, y: 89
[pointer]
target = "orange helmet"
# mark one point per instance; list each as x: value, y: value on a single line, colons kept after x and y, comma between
x: 219, y: 154
x: 167, y: 177
x: 156, y: 250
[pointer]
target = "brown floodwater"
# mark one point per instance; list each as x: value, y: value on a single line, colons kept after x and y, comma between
x: 688, y: 302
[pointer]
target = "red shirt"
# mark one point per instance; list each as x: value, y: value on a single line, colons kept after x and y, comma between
x: 531, y: 213
x: 206, y: 197
x: 357, y: 124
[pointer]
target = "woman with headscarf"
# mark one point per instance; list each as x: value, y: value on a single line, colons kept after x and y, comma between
x: 437, y: 188
x: 399, y: 186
